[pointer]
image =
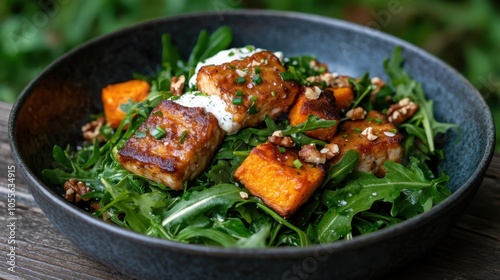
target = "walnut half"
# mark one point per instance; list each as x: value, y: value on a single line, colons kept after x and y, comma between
x: 74, y: 190
x: 400, y: 112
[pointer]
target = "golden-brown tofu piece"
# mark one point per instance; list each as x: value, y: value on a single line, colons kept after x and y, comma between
x: 375, y: 139
x: 181, y: 153
x: 113, y: 96
x: 272, y: 176
x: 256, y: 81
x: 314, y: 101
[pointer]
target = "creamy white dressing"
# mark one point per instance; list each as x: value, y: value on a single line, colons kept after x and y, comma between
x: 228, y: 56
x: 213, y: 104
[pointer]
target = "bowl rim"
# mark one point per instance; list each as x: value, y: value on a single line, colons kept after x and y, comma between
x: 341, y: 245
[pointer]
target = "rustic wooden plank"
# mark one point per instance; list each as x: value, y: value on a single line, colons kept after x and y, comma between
x: 43, y: 253
x: 470, y: 251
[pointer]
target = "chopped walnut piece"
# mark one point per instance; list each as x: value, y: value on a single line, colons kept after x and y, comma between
x: 330, y: 150
x: 378, y: 83
x: 278, y: 139
x: 357, y: 113
x: 92, y: 129
x: 400, y: 112
x: 74, y: 190
x: 331, y: 80
x: 309, y: 154
x: 368, y: 132
x: 177, y: 85
x: 312, y: 93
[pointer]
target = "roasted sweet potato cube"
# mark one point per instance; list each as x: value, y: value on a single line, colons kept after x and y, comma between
x: 375, y: 139
x: 255, y: 82
x: 173, y: 145
x: 272, y: 176
x: 113, y: 96
x: 344, y: 96
x: 322, y: 106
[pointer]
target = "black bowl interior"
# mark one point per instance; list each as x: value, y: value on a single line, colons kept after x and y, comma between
x: 53, y: 107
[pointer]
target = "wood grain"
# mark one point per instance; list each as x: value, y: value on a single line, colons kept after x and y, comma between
x: 470, y: 251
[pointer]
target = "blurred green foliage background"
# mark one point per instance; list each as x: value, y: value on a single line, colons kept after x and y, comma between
x: 465, y: 34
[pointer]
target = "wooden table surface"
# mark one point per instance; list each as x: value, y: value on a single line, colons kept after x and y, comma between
x: 470, y: 251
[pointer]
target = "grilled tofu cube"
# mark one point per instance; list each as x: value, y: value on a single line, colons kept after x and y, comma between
x: 173, y: 145
x: 314, y: 101
x: 375, y: 139
x: 272, y: 176
x: 113, y: 96
x: 251, y: 88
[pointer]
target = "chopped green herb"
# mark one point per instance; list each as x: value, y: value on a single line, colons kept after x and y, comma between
x: 250, y: 48
x: 273, y: 94
x: 252, y: 110
x: 253, y: 99
x: 344, y: 135
x: 183, y: 136
x: 281, y: 149
x: 240, y: 80
x: 377, y: 120
x: 297, y: 163
x: 287, y: 76
x: 257, y: 79
x: 256, y: 70
x: 358, y: 130
x: 237, y: 101
x: 394, y: 130
x: 231, y: 53
x: 239, y: 93
x: 158, y: 132
x: 140, y: 134
x: 232, y: 66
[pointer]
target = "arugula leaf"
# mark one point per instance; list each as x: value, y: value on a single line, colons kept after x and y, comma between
x: 344, y: 167
x: 360, y: 194
x: 209, y: 45
x: 406, y: 87
x: 217, y: 198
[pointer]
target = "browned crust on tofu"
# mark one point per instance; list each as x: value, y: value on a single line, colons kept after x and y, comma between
x: 170, y: 160
x: 323, y: 107
x: 274, y: 96
x: 372, y: 153
x: 272, y: 176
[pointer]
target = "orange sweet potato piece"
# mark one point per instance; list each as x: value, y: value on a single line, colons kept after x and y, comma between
x: 272, y: 176
x: 117, y: 94
x: 323, y: 107
x: 344, y: 96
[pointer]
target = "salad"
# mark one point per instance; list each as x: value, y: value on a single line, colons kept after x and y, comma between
x: 244, y: 147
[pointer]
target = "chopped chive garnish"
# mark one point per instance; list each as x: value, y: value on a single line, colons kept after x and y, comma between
x: 273, y: 94
x: 158, y: 132
x: 140, y: 134
x: 241, y: 153
x: 394, y: 131
x: 253, y: 99
x: 237, y: 101
x: 231, y: 53
x: 240, y: 80
x: 158, y: 113
x: 358, y: 130
x: 250, y: 48
x: 344, y: 135
x: 252, y: 110
x: 297, y: 163
x: 239, y: 93
x: 377, y: 120
x: 257, y: 79
x: 257, y: 70
x: 232, y: 66
x: 183, y: 136
x: 281, y: 149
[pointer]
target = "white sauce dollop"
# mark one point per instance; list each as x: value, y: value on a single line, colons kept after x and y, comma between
x: 213, y: 104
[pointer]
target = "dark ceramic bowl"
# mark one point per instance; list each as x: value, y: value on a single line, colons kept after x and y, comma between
x: 53, y: 107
